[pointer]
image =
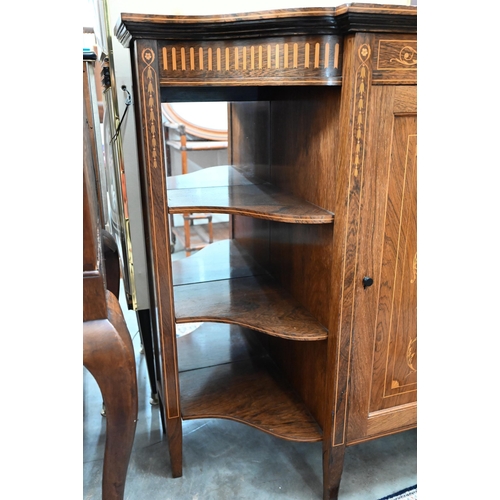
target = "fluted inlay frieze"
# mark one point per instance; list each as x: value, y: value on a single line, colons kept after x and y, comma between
x: 299, y: 58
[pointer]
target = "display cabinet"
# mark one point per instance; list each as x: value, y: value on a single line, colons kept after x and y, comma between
x: 307, y: 315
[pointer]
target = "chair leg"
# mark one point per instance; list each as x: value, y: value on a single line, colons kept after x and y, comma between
x: 112, y: 263
x: 108, y: 354
x: 210, y: 229
x: 187, y: 235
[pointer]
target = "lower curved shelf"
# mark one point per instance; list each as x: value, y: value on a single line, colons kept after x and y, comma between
x: 238, y: 381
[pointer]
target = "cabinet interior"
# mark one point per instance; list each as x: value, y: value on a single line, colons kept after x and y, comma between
x: 263, y: 297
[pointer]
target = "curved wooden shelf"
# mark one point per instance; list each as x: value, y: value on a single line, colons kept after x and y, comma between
x: 233, y: 294
x: 226, y: 189
x: 240, y: 383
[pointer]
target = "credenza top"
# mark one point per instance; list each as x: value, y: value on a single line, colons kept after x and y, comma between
x: 347, y: 18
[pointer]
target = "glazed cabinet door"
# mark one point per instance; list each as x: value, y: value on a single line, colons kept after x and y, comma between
x: 383, y: 383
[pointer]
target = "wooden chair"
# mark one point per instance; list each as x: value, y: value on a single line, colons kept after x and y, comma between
x: 191, y: 137
x: 108, y: 352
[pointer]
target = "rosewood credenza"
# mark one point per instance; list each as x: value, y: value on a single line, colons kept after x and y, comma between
x: 309, y: 311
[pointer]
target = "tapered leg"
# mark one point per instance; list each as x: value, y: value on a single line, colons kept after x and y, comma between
x: 333, y: 464
x: 145, y: 330
x: 111, y: 263
x: 174, y: 433
x: 108, y: 354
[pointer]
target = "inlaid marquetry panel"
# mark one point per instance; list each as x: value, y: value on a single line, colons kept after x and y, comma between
x: 283, y: 60
x: 396, y: 325
x: 382, y: 389
x: 396, y: 59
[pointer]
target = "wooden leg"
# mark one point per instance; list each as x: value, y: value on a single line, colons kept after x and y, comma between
x: 108, y: 354
x: 210, y: 229
x: 112, y: 263
x: 162, y: 415
x: 333, y: 464
x: 187, y: 235
x: 174, y: 433
x: 145, y: 330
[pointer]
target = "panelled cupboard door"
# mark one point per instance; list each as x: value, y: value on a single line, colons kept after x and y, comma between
x: 383, y: 390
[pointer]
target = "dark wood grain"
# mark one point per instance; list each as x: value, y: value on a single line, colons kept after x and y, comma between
x: 384, y: 376
x: 157, y: 234
x: 109, y: 356
x: 251, y: 392
x: 346, y: 18
x: 258, y: 200
x: 395, y: 59
x: 253, y: 235
x: 302, y: 155
x: 250, y: 143
x: 249, y: 129
x: 304, y: 364
x: 226, y: 373
x: 285, y: 140
x: 308, y: 152
x: 255, y: 302
x: 296, y: 143
x: 224, y: 26
x: 344, y: 256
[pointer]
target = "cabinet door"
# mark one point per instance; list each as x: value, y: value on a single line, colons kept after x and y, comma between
x: 383, y: 390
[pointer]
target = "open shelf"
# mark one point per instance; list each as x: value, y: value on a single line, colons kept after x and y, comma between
x: 322, y: 130
x: 232, y: 190
x: 228, y: 375
x: 221, y: 284
x: 221, y: 260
